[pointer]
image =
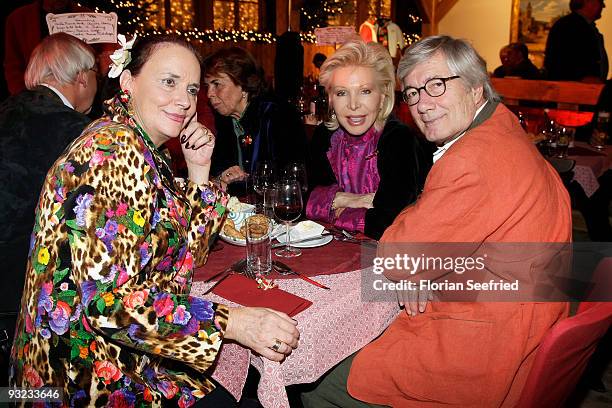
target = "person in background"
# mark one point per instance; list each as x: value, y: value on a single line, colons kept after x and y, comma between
x: 368, y: 30
x: 516, y: 63
x: 36, y: 125
x: 317, y: 61
x: 106, y: 313
x: 575, y: 48
x: 463, y: 354
x: 366, y: 165
x: 26, y: 27
x: 252, y: 126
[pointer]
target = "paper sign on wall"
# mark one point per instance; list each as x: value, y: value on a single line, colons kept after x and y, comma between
x: 333, y: 35
x: 89, y: 27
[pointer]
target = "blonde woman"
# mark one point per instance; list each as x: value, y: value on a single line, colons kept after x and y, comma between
x: 367, y: 166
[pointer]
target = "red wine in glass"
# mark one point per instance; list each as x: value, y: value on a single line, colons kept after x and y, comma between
x: 287, y: 213
x: 287, y: 208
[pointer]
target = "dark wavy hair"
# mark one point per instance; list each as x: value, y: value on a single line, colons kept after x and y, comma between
x: 144, y: 47
x: 238, y: 64
x: 140, y: 53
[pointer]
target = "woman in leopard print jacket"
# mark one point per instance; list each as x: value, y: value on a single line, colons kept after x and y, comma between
x: 106, y: 313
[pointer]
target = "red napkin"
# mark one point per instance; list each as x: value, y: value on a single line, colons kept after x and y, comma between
x: 244, y: 291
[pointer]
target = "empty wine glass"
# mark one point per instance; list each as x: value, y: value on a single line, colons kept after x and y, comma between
x: 296, y: 170
x: 287, y: 208
x: 265, y: 176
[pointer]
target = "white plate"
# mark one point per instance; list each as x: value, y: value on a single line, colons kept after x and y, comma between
x: 232, y: 240
x: 324, y: 240
x: 242, y: 241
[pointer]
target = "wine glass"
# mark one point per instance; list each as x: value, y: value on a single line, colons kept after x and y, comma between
x: 296, y: 170
x: 287, y: 208
x: 264, y: 178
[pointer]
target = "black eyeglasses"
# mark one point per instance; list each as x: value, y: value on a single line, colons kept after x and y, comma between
x: 434, y: 87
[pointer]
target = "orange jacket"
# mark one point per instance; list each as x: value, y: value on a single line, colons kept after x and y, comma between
x: 491, y: 186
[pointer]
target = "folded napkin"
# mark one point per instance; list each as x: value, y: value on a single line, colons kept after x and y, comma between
x: 306, y: 229
x: 244, y: 291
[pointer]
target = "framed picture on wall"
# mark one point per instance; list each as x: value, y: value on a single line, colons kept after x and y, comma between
x: 531, y: 22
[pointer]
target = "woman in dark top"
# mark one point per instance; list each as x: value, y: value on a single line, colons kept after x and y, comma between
x: 251, y: 126
x: 366, y: 166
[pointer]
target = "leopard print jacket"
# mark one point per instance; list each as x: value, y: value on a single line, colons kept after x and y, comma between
x: 106, y: 313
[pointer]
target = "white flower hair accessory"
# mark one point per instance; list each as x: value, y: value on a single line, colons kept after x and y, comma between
x: 121, y: 57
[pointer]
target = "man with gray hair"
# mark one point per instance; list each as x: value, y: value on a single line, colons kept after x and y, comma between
x: 36, y: 125
x: 488, y: 184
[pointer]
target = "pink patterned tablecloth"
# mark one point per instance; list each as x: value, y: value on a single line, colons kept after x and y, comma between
x: 335, y: 326
x: 590, y: 166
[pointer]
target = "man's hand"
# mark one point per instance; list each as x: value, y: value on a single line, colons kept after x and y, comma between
x: 414, y: 301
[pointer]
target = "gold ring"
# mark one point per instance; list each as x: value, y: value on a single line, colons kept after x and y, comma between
x: 277, y: 345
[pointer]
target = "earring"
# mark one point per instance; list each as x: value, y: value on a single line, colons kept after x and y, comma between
x: 244, y: 95
x: 126, y: 99
x: 333, y: 115
x: 124, y: 96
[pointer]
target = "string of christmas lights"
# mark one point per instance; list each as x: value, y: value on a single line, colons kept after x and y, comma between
x: 150, y: 17
x: 214, y: 35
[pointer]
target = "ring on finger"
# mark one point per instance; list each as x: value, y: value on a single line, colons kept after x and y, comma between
x: 277, y: 345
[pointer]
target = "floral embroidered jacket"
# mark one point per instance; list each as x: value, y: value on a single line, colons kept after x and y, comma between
x: 106, y: 312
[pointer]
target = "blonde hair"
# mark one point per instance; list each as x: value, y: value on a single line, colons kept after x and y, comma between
x: 59, y: 57
x: 356, y: 52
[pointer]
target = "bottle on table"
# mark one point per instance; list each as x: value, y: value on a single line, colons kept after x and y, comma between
x: 301, y: 103
x: 600, y: 135
x: 318, y: 105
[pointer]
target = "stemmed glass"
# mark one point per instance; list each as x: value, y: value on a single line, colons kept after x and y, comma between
x: 287, y: 208
x: 549, y: 130
x: 264, y: 178
x: 296, y: 171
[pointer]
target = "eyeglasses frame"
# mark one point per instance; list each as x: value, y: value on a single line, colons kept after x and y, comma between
x: 424, y: 88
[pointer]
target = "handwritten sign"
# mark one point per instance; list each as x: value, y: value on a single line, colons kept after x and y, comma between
x: 89, y: 27
x: 333, y: 35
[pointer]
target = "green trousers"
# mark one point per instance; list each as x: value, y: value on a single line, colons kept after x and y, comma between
x: 332, y: 391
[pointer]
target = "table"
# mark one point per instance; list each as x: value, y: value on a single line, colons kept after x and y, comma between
x: 334, y: 327
x: 590, y: 165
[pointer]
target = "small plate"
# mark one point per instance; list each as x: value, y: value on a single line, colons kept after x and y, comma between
x: 324, y: 240
x: 232, y: 240
x: 242, y: 241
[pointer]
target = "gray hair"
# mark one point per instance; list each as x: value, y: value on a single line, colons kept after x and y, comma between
x: 356, y: 52
x: 461, y: 57
x: 60, y: 57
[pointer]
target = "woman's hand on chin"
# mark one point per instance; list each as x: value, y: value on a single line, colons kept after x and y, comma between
x: 197, y: 142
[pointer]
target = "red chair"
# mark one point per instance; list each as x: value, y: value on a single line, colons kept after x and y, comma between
x: 563, y: 355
